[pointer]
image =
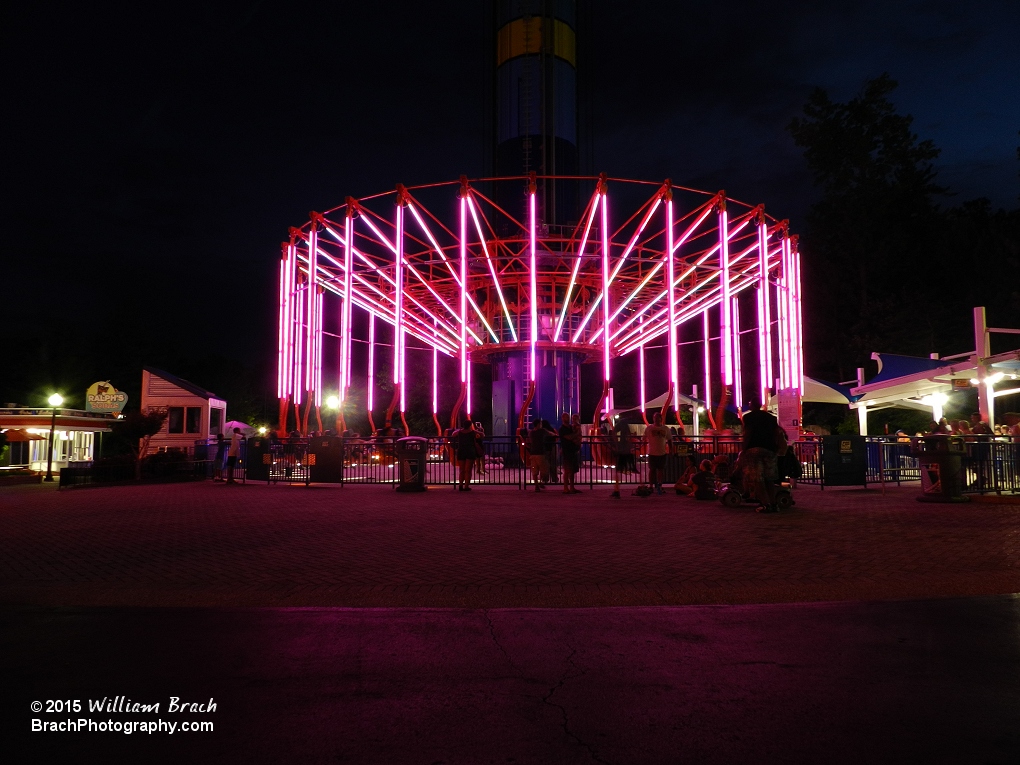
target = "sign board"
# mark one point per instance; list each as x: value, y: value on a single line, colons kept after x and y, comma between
x: 961, y: 383
x: 789, y: 412
x: 103, y: 397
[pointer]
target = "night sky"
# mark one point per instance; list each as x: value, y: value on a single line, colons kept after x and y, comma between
x: 154, y: 158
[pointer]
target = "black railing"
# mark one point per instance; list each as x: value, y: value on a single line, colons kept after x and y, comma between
x: 989, y: 465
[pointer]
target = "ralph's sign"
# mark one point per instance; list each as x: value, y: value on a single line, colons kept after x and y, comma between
x: 103, y: 397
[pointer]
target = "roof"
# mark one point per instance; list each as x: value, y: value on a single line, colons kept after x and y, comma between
x: 180, y: 382
x: 892, y: 366
x: 67, y: 419
x: 905, y: 378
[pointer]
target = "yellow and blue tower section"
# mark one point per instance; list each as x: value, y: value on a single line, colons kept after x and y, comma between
x: 535, y: 123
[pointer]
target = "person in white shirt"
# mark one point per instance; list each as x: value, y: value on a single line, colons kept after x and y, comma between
x: 233, y: 453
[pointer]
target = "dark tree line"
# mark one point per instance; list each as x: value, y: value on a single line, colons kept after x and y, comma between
x: 889, y: 264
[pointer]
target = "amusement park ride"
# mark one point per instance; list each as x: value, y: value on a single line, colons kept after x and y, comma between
x: 540, y: 268
x: 534, y: 302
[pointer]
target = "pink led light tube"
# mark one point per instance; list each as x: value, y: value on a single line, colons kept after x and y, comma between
x: 398, y: 318
x: 674, y: 365
x: 313, y: 239
x: 534, y: 281
x: 289, y: 319
x: 317, y: 379
x: 280, y: 372
x: 707, y: 334
x: 348, y: 298
x: 605, y: 286
x: 798, y: 318
x: 725, y: 320
x: 764, y: 318
x: 371, y: 359
x: 299, y: 306
x: 641, y: 376
x: 784, y: 342
x: 463, y: 289
x: 402, y: 366
x: 435, y: 380
x: 738, y: 388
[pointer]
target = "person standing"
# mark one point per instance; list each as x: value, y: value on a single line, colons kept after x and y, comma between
x: 570, y: 448
x: 657, y: 438
x: 623, y: 449
x: 233, y: 453
x: 757, y: 461
x: 550, y: 452
x: 221, y: 456
x: 537, y: 437
x: 466, y: 448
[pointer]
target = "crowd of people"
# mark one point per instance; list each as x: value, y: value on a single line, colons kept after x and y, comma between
x: 975, y: 427
x: 553, y: 456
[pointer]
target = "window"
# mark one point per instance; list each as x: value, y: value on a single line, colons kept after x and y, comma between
x: 194, y: 419
x: 175, y: 419
x: 215, y: 420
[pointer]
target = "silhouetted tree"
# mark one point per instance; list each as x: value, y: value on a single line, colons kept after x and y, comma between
x: 136, y: 429
x: 870, y: 238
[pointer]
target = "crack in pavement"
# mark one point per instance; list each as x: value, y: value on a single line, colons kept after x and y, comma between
x: 502, y: 650
x: 547, y: 699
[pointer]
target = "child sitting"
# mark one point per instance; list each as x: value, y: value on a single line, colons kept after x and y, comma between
x: 704, y: 481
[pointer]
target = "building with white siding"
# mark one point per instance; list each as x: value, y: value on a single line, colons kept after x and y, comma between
x: 193, y: 413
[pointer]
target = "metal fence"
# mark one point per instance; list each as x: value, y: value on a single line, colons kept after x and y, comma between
x: 990, y: 466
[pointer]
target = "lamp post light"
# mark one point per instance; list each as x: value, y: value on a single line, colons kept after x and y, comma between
x: 333, y: 402
x: 55, y: 400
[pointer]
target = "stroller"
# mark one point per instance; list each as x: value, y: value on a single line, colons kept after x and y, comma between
x: 733, y: 494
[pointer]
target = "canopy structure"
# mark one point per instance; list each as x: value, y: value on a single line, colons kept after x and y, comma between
x: 822, y: 392
x: 928, y: 383
x: 451, y: 270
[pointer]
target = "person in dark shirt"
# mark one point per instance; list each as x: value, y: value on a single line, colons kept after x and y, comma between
x: 704, y: 481
x: 537, y: 437
x: 570, y: 448
x: 757, y: 461
x: 466, y: 440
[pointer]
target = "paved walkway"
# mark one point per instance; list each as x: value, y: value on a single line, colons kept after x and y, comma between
x: 518, y: 670
x: 209, y: 544
x: 907, y: 682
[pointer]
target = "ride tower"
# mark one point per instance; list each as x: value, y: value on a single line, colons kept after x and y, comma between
x: 537, y: 128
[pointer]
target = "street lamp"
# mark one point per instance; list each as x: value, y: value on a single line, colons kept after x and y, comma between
x: 333, y: 402
x: 55, y: 400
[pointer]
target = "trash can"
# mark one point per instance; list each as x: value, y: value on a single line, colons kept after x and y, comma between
x: 412, y: 462
x: 326, y: 459
x: 940, y: 459
x: 844, y: 461
x: 256, y: 459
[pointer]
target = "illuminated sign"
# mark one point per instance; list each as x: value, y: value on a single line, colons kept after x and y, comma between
x: 103, y: 397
